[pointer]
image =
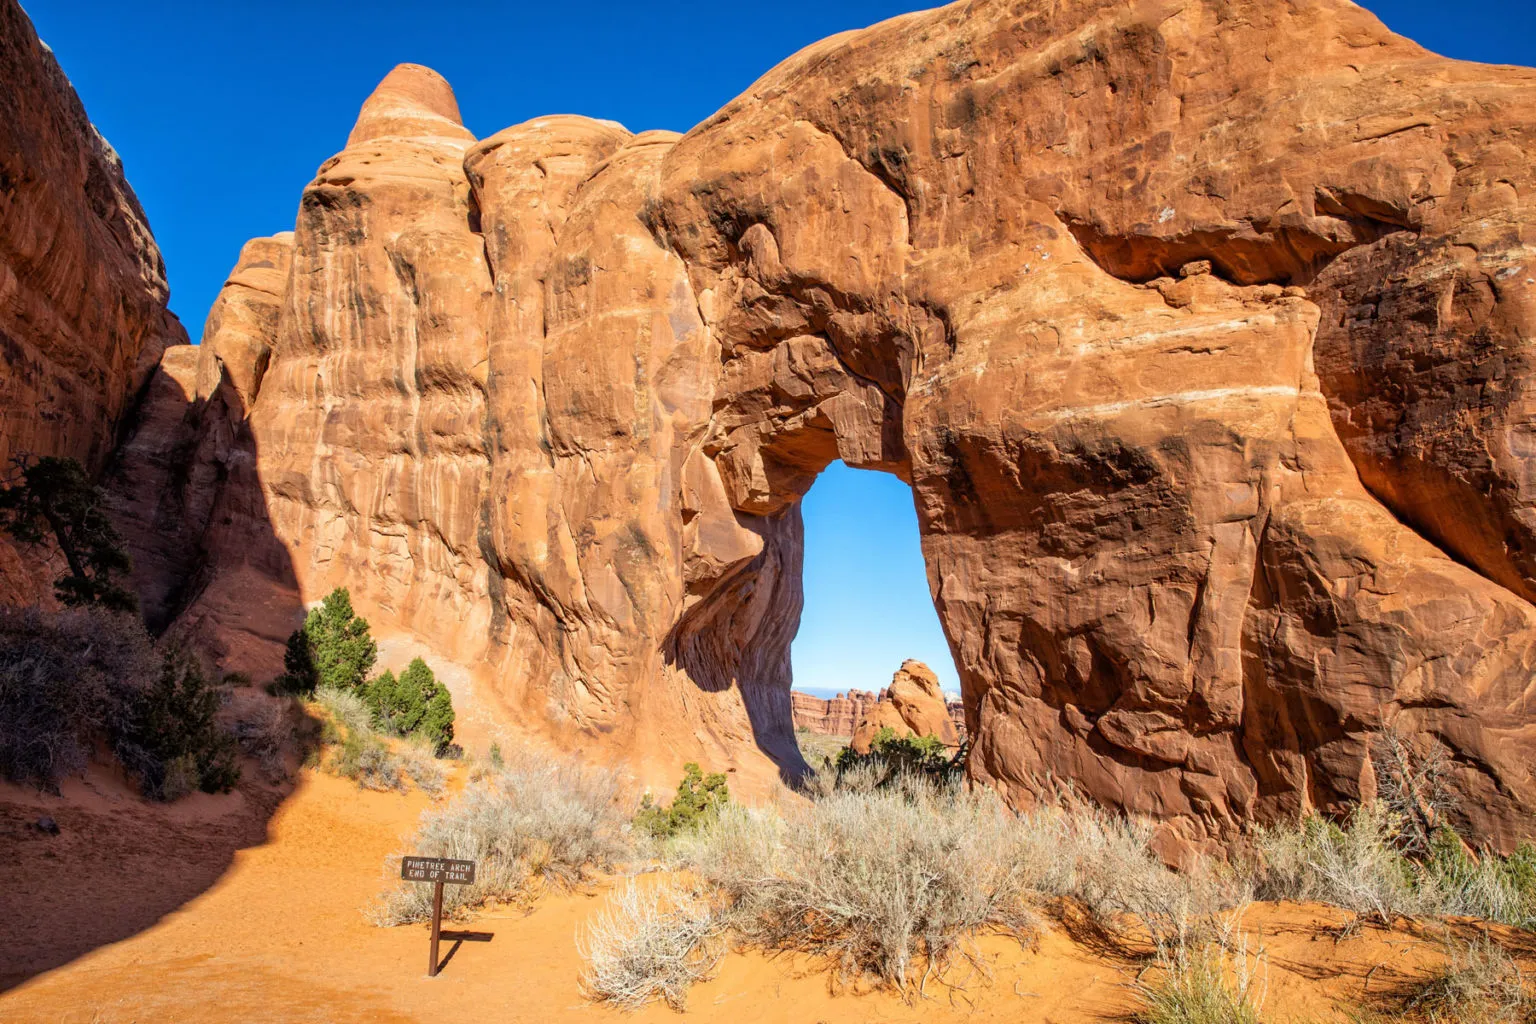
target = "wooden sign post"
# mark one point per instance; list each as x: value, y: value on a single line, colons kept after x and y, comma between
x: 437, y: 870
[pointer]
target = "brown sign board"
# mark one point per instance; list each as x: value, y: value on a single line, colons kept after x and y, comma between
x: 437, y: 869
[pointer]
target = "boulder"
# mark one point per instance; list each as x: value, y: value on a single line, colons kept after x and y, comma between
x: 914, y: 705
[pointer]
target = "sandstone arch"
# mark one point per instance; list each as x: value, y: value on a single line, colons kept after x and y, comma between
x: 1207, y: 371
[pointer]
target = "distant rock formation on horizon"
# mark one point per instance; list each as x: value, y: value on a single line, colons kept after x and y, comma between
x: 840, y: 715
x: 1201, y: 331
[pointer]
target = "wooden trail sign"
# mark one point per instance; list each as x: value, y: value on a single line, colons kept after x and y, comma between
x: 437, y: 870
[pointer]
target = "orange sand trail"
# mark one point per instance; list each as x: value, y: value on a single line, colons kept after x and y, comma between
x: 280, y: 936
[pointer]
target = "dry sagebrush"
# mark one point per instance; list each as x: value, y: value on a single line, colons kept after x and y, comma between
x: 1479, y: 984
x: 650, y: 942
x: 1359, y: 866
x: 889, y: 882
x: 532, y: 819
x: 68, y: 681
x: 893, y: 881
x: 266, y: 733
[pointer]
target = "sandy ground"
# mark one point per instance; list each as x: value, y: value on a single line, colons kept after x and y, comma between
x: 212, y: 911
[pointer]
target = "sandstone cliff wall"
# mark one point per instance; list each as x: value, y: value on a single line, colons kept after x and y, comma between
x: 1208, y: 371
x: 83, y: 317
x: 834, y: 716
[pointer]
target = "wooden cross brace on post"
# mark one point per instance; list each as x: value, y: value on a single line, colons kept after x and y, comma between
x: 438, y: 871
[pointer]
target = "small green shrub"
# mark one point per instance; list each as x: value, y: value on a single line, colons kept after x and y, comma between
x: 333, y: 648
x: 698, y: 800
x: 415, y: 704
x: 891, y: 756
x: 174, y: 742
x: 496, y: 758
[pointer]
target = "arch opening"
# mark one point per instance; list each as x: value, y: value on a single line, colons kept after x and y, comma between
x: 867, y: 607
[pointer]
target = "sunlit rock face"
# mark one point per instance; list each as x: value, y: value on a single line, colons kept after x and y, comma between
x: 831, y: 716
x: 1200, y: 331
x: 913, y: 705
x: 83, y: 315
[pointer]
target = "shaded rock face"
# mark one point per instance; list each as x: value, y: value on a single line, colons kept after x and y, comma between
x: 1207, y: 372
x: 83, y: 317
x: 913, y: 705
x: 183, y: 486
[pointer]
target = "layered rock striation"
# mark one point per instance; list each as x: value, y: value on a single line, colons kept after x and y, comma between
x: 1207, y: 369
x: 83, y: 316
x: 832, y: 716
x: 841, y: 714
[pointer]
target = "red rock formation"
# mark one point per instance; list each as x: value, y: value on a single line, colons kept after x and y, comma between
x: 836, y: 716
x: 1202, y: 367
x: 184, y: 488
x: 83, y: 315
x: 913, y: 705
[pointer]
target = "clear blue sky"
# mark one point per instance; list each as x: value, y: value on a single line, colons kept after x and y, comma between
x: 222, y: 110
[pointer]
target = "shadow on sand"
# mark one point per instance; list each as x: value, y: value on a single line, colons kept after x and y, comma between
x: 210, y: 571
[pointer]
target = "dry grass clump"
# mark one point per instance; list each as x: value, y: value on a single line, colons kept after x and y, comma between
x: 889, y: 882
x: 1361, y: 866
x: 366, y: 760
x: 345, y: 708
x: 1479, y: 984
x: 362, y: 755
x: 266, y: 734
x: 650, y: 942
x: 1215, y: 982
x: 533, y: 819
x: 418, y: 761
x: 1104, y: 863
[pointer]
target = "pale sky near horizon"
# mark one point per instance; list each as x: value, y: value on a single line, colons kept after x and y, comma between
x: 222, y: 111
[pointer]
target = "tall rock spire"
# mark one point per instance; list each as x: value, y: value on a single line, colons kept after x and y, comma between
x: 411, y: 101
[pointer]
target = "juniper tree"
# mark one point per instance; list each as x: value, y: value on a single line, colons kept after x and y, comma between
x: 415, y: 704
x: 53, y: 496
x: 333, y: 648
x: 174, y: 742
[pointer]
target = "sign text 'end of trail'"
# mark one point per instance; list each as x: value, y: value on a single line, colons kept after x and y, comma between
x: 433, y: 869
x: 437, y: 870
